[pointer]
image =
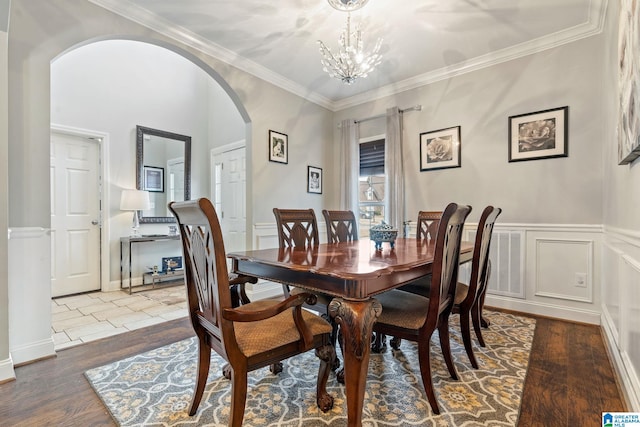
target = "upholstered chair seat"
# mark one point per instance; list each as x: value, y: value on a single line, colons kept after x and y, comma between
x: 276, y: 331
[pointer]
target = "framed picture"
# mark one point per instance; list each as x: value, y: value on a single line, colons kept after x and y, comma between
x: 440, y: 149
x: 278, y: 147
x: 539, y: 135
x: 171, y: 263
x: 628, y: 82
x: 314, y: 180
x: 154, y: 179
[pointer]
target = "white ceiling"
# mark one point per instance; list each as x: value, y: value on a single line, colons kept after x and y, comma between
x: 423, y: 40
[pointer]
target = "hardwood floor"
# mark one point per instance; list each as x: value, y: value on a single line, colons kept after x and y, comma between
x: 570, y: 381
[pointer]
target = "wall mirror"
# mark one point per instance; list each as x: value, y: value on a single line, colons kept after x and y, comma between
x: 163, y: 161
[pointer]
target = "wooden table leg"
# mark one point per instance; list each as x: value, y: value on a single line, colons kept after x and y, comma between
x: 356, y: 319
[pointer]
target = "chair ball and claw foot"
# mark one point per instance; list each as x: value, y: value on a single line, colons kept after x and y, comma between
x: 249, y: 336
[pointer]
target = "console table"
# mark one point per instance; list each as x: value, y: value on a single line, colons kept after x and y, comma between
x: 126, y: 244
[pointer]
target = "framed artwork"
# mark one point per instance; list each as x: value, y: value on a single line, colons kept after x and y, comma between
x: 440, y: 149
x: 154, y: 179
x: 278, y: 147
x: 171, y: 263
x: 314, y: 180
x: 628, y: 82
x: 539, y: 135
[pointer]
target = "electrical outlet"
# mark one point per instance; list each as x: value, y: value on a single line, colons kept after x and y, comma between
x: 581, y: 280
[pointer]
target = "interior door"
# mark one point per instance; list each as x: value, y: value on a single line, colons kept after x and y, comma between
x: 229, y: 196
x: 75, y: 214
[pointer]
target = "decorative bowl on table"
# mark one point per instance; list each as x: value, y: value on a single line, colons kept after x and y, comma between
x: 383, y: 232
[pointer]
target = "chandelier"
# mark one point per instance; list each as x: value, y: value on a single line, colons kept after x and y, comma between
x: 350, y: 62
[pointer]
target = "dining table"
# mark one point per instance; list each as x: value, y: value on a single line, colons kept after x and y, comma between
x: 353, y: 273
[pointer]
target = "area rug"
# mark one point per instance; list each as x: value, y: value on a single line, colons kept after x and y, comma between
x: 155, y: 388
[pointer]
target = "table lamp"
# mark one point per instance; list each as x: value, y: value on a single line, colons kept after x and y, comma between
x: 135, y: 200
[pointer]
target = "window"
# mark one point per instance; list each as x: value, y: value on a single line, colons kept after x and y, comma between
x: 371, y: 185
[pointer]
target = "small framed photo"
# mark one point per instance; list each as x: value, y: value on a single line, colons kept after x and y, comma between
x: 314, y: 180
x: 171, y: 264
x: 539, y: 135
x: 440, y: 149
x: 278, y: 147
x: 154, y: 179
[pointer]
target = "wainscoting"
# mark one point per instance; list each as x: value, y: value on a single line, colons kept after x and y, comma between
x: 620, y: 289
x: 581, y: 273
x: 29, y: 294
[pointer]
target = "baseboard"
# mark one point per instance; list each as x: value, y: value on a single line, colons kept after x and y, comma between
x: 628, y: 383
x: 33, y: 351
x: 6, y: 370
x: 533, y: 307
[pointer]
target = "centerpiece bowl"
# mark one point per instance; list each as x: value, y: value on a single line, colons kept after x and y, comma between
x: 383, y: 232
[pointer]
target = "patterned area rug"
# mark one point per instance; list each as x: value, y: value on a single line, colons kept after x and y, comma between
x: 155, y: 388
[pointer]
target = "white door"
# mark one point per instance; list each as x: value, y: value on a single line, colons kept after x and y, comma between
x: 75, y: 215
x: 229, y: 196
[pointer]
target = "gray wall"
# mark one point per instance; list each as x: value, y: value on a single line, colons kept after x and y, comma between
x: 562, y: 190
x: 4, y: 191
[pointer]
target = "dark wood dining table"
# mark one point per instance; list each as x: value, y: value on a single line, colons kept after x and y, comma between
x: 353, y: 273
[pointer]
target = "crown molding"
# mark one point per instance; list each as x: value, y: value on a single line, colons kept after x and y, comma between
x: 130, y: 11
x: 593, y: 26
x: 156, y: 23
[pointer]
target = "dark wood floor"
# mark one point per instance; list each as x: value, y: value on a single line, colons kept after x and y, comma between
x: 570, y: 381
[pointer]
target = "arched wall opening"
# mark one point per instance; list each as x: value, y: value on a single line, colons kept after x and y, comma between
x: 110, y: 86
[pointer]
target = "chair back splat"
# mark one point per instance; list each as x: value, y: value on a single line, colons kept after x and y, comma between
x: 428, y: 222
x: 243, y: 336
x: 341, y: 226
x: 296, y: 228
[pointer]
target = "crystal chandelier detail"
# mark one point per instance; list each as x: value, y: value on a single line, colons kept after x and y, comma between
x: 351, y: 61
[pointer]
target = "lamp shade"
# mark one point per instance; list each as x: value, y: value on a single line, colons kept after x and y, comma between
x: 134, y: 200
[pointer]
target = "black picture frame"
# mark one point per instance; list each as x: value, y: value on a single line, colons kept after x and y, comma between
x: 314, y: 180
x: 441, y: 149
x: 539, y: 135
x: 154, y: 179
x: 278, y: 147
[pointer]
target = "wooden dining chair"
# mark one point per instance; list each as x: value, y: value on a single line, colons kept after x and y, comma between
x: 298, y: 229
x: 426, y: 229
x: 252, y: 335
x: 469, y: 298
x: 414, y: 317
x: 341, y: 226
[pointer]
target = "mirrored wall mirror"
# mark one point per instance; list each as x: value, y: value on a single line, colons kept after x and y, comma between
x: 163, y: 161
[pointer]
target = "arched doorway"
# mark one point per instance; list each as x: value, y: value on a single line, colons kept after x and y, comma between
x: 110, y: 87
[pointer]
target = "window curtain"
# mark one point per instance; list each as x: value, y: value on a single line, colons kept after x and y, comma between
x: 349, y: 166
x: 394, y: 170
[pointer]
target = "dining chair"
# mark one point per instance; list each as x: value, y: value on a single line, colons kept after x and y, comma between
x: 414, y: 317
x: 426, y: 229
x: 252, y: 335
x: 341, y: 226
x: 298, y: 229
x: 469, y: 298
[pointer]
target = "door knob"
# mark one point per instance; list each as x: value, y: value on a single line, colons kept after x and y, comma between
x: 94, y: 222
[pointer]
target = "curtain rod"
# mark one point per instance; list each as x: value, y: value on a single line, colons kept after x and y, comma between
x: 379, y: 116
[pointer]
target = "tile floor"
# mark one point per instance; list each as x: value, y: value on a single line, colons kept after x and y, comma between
x: 82, y: 318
